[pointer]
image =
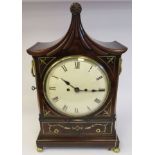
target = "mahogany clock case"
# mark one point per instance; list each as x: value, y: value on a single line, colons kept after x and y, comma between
x: 97, y: 129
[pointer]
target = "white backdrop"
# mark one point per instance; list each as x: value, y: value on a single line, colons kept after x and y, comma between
x: 48, y: 21
x: 77, y: 1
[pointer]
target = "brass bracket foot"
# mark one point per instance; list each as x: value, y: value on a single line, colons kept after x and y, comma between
x: 39, y: 149
x: 116, y: 149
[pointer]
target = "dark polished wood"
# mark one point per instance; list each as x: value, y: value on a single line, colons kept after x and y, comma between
x: 97, y: 129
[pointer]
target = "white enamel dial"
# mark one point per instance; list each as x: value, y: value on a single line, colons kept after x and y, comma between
x: 76, y: 86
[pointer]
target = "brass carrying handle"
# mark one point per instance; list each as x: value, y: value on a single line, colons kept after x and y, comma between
x: 120, y: 66
x: 33, y: 69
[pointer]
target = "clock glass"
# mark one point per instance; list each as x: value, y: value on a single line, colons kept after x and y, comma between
x: 76, y: 86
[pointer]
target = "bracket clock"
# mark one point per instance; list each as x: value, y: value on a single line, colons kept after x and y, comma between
x: 76, y: 83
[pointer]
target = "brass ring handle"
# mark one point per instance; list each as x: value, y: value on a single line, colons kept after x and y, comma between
x: 33, y: 69
x: 120, y: 66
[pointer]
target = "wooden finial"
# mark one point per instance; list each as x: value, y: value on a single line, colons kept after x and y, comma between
x: 75, y: 8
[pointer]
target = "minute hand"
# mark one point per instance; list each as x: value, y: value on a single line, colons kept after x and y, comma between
x: 93, y: 90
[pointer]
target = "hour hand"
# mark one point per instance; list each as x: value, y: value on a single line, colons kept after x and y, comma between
x: 67, y: 83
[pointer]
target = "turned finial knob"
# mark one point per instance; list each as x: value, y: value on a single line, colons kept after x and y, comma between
x: 76, y: 8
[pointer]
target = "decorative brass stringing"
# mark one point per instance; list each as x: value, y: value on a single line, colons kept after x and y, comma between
x: 110, y: 59
x: 33, y: 68
x: 55, y: 131
x: 120, y: 65
x: 46, y: 113
x: 77, y: 128
x: 43, y: 61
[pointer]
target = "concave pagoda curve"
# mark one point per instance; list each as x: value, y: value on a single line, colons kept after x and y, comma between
x: 76, y: 35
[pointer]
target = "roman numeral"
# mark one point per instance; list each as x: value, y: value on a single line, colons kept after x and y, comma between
x: 97, y: 100
x: 100, y: 77
x: 76, y: 110
x: 55, y: 99
x: 52, y: 88
x: 64, y: 108
x: 90, y: 68
x: 77, y: 65
x: 64, y: 68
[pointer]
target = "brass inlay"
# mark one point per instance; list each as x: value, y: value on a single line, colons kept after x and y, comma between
x: 46, y: 113
x: 98, y: 130
x: 107, y: 110
x: 78, y: 128
x: 45, y: 63
x: 56, y: 131
x: 58, y: 125
x: 110, y: 59
x: 43, y: 60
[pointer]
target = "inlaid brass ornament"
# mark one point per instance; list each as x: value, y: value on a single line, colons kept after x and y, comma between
x: 56, y: 131
x: 98, y: 130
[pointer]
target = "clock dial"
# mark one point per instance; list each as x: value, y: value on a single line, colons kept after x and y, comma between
x: 76, y: 86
